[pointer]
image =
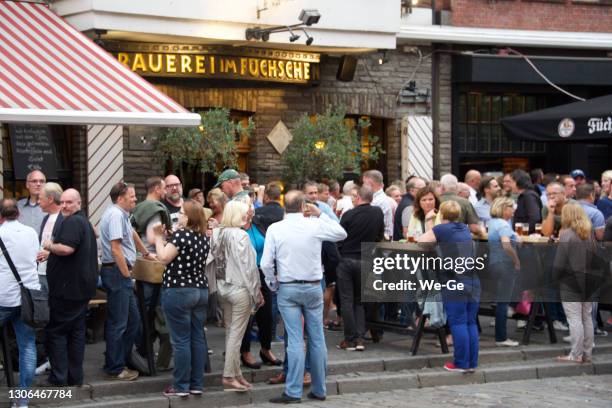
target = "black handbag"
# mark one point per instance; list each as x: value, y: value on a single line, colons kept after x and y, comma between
x: 34, y: 303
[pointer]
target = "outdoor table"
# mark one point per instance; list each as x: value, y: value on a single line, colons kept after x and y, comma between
x: 421, y: 329
x: 532, y: 251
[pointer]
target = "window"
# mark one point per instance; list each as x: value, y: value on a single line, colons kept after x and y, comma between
x: 479, y: 130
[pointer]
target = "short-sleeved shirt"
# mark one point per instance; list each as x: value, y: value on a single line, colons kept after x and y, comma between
x: 468, y: 214
x: 174, y: 214
x: 597, y: 219
x: 74, y: 277
x: 483, y: 210
x: 115, y: 224
x: 30, y: 214
x: 498, y: 228
x: 187, y: 269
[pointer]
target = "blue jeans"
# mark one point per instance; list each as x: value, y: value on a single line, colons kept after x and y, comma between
x: 185, y: 311
x: 122, y: 318
x: 462, y: 310
x: 294, y: 302
x: 26, y: 343
x: 505, y: 276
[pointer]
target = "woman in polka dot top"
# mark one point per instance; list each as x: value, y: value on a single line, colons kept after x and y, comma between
x: 185, y: 297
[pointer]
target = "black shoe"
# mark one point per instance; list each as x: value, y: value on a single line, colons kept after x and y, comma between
x: 268, y: 361
x: 315, y: 397
x: 285, y: 399
x: 254, y: 366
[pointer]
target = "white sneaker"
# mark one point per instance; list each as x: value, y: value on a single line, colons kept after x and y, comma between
x: 558, y: 325
x: 510, y: 311
x: 521, y: 324
x: 46, y: 366
x: 507, y: 343
x: 567, y: 339
x: 492, y: 323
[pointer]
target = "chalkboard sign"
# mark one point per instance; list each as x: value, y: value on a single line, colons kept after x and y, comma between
x: 33, y: 149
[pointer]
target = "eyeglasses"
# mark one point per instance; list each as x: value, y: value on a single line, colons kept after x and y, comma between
x: 37, y: 181
x: 172, y: 186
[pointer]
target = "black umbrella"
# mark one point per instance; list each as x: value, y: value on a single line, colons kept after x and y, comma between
x: 578, y: 121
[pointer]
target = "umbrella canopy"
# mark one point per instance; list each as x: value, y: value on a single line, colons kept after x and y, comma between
x: 579, y: 121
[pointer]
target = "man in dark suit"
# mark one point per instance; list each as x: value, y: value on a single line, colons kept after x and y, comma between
x: 72, y: 273
x: 413, y: 185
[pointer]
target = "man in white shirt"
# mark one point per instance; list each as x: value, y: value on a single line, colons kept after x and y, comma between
x: 21, y: 244
x: 49, y: 201
x: 291, y: 263
x: 472, y: 179
x: 374, y: 179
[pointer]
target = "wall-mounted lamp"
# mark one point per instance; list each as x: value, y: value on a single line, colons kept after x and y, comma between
x: 307, y: 17
x: 383, y: 58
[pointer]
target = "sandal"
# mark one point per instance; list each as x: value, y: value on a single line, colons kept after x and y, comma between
x: 244, y: 382
x: 569, y: 358
x: 233, y: 385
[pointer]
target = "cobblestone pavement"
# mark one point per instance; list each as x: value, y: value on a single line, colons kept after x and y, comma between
x: 574, y: 392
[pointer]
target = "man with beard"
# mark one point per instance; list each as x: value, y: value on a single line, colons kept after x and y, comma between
x: 174, y: 198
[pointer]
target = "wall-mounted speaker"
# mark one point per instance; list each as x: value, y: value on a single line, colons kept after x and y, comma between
x: 346, y: 68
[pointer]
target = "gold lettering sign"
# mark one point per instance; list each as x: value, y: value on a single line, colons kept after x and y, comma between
x: 274, y: 66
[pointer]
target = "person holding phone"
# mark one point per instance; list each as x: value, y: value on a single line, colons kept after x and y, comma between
x: 185, y: 297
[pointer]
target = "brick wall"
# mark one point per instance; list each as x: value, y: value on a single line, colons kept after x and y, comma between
x: 373, y: 92
x: 552, y: 15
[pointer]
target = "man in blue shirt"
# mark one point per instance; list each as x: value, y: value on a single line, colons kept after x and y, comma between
x: 585, y: 193
x: 119, y: 242
x: 489, y: 191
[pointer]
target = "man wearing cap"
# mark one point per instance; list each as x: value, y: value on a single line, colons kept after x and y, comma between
x: 230, y: 183
x: 578, y: 176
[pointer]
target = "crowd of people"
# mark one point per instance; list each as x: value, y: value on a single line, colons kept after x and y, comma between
x: 254, y: 252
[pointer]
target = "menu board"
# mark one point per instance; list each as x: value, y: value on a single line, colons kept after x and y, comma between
x: 33, y: 149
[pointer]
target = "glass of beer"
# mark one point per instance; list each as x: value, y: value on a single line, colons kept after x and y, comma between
x: 411, y: 237
x: 538, y: 228
x: 525, y: 231
x: 518, y: 227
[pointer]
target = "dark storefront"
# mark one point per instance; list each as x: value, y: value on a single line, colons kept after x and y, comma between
x: 487, y: 88
x: 265, y: 85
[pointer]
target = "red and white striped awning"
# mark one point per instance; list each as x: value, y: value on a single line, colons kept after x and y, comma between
x: 51, y: 73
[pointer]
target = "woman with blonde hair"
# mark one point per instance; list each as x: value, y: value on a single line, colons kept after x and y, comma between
x: 461, y: 305
x: 185, y: 297
x: 238, y: 286
x: 504, y: 263
x: 573, y: 258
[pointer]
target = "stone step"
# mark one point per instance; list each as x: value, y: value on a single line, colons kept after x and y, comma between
x: 360, y: 382
x: 344, y: 376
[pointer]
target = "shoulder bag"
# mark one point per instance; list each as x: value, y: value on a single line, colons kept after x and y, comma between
x: 34, y: 303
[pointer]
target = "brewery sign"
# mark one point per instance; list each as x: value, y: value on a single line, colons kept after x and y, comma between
x: 196, y: 61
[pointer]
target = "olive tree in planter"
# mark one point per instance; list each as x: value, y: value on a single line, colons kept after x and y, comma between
x: 211, y: 147
x: 326, y: 147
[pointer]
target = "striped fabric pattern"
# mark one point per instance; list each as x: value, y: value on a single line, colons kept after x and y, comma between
x: 45, y: 64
